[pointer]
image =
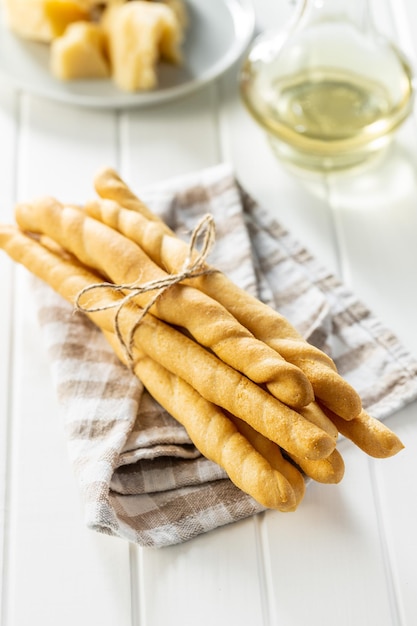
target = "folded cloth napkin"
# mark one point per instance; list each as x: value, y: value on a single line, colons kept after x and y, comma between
x: 140, y: 475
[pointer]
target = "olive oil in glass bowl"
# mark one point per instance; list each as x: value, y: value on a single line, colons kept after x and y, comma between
x: 333, y: 91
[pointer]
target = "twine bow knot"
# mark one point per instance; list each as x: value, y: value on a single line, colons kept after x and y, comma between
x: 194, y: 265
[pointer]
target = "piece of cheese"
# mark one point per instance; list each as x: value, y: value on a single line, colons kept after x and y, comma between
x: 61, y: 13
x: 27, y: 19
x: 80, y: 53
x: 139, y: 34
x: 42, y: 20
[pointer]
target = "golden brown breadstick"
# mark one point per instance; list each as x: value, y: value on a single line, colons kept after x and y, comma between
x: 329, y: 471
x: 317, y: 416
x: 272, y: 453
x: 123, y: 262
x: 108, y: 184
x: 214, y: 434
x: 222, y: 385
x: 149, y: 234
x: 369, y: 434
x: 263, y: 322
x: 211, y: 431
x: 213, y: 379
x: 273, y: 483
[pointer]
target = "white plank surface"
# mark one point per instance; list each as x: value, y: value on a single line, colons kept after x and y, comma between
x: 61, y: 148
x: 220, y: 577
x: 8, y: 130
x: 63, y: 569
x: 396, y: 502
x: 170, y: 140
x: 45, y: 540
x: 349, y: 554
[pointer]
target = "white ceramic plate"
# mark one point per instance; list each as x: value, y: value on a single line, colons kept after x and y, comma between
x: 218, y: 33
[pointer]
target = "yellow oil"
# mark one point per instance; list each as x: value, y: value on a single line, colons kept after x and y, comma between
x: 326, y: 118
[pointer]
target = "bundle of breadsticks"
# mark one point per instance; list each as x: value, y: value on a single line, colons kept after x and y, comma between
x: 253, y: 395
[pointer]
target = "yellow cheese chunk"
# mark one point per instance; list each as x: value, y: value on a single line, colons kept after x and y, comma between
x: 139, y: 34
x: 43, y: 20
x: 27, y: 19
x: 61, y: 13
x: 80, y: 53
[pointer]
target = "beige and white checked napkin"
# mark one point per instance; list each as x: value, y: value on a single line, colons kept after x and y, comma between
x: 140, y: 476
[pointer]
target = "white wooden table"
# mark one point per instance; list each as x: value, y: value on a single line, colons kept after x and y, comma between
x: 348, y: 557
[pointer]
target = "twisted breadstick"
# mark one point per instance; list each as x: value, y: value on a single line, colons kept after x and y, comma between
x: 123, y: 262
x: 214, y: 434
x: 328, y: 470
x: 315, y: 414
x: 214, y: 380
x: 369, y: 434
x: 253, y: 462
x: 211, y: 431
x: 108, y: 184
x: 272, y: 453
x: 261, y: 320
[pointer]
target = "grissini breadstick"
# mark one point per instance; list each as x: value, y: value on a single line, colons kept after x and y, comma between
x: 108, y: 184
x: 326, y: 470
x: 211, y: 431
x: 68, y: 276
x: 329, y: 471
x: 272, y: 453
x: 263, y: 322
x: 150, y: 234
x: 315, y: 414
x: 222, y: 385
x: 214, y: 380
x: 312, y: 411
x: 181, y: 305
x: 369, y: 434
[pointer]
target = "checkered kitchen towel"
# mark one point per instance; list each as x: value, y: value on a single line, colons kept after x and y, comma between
x: 141, y: 477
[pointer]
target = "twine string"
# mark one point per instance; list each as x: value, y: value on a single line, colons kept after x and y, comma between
x: 193, y: 266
